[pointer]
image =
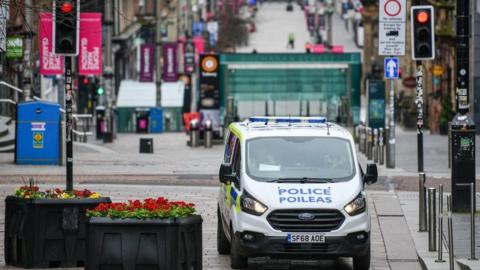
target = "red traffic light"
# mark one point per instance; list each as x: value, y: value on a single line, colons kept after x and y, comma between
x: 422, y: 17
x: 86, y: 80
x: 66, y: 7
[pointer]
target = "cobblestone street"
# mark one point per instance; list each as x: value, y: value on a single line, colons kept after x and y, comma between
x: 205, y: 198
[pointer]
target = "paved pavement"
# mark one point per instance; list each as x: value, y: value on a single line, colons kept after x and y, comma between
x: 386, y: 252
x: 461, y: 236
x: 274, y: 23
x: 171, y: 157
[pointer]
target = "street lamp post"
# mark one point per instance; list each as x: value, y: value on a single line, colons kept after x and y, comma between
x: 108, y: 73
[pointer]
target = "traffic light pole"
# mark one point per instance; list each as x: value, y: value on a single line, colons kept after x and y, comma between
x: 419, y: 102
x: 69, y: 120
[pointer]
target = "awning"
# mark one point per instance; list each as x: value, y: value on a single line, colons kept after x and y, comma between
x: 172, y: 94
x: 127, y: 33
x: 134, y: 94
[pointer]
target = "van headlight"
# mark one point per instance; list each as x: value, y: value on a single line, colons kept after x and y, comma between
x: 251, y: 205
x: 357, y: 206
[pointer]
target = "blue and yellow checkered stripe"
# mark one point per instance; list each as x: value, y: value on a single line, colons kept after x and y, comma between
x: 233, y: 198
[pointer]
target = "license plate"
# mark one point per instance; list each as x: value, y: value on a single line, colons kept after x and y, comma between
x: 306, y: 238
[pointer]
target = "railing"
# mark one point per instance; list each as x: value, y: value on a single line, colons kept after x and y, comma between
x: 6, y: 100
x: 82, y: 122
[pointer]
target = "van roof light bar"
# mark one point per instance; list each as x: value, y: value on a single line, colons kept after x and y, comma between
x: 288, y: 120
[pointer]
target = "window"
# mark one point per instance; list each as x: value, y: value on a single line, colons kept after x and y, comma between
x: 229, y: 147
x: 238, y: 159
x: 300, y: 157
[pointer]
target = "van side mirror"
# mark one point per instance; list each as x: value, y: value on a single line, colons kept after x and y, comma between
x: 226, y: 175
x: 371, y: 176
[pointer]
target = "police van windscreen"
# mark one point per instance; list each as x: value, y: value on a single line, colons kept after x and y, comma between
x: 299, y: 158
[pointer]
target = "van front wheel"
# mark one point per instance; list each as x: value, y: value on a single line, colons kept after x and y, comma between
x: 237, y: 261
x: 223, y: 245
x: 362, y: 262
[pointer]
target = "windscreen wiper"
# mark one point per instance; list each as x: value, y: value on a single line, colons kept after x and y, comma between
x: 302, y: 180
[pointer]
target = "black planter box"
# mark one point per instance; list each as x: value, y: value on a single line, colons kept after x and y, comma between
x: 42, y: 233
x: 132, y: 244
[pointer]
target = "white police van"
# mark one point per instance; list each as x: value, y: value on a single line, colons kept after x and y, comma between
x: 292, y: 188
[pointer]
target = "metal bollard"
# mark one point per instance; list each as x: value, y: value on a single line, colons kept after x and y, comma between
x: 194, y: 133
x: 449, y: 148
x: 381, y: 146
x: 422, y: 211
x: 386, y: 138
x: 360, y: 138
x: 364, y: 140
x: 440, y: 224
x: 168, y: 124
x: 208, y: 134
x: 432, y: 219
x: 370, y: 144
x: 473, y: 209
x: 365, y: 149
x: 450, y: 233
x: 375, y: 145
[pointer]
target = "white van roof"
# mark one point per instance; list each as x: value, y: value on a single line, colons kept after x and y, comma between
x: 287, y: 127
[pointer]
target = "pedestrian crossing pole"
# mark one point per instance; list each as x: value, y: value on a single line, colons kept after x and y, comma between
x: 69, y: 120
x: 422, y: 28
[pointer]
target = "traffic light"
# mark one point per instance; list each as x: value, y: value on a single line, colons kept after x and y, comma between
x: 100, y: 91
x: 66, y: 26
x: 423, y: 32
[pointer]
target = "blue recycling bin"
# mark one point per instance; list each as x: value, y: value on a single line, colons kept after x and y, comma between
x: 156, y: 120
x: 38, y: 133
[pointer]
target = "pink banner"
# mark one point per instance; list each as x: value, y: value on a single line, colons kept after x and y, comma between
x: 90, y: 51
x: 49, y: 63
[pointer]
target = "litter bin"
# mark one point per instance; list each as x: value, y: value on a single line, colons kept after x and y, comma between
x: 38, y: 133
x: 146, y: 145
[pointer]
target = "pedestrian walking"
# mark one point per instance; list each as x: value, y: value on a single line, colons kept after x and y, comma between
x: 291, y: 41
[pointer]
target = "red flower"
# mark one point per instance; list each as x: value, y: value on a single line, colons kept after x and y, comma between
x: 156, y: 208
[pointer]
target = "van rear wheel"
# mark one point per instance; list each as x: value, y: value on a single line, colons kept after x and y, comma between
x: 362, y: 262
x: 223, y: 245
x: 237, y: 261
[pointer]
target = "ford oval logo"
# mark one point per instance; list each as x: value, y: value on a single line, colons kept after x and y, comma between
x: 306, y: 216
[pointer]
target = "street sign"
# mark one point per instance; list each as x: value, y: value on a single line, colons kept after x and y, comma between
x: 393, y: 11
x: 392, y: 19
x: 14, y: 48
x: 391, y: 68
x: 391, y: 38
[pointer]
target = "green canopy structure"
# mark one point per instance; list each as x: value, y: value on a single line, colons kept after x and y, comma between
x: 292, y: 84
